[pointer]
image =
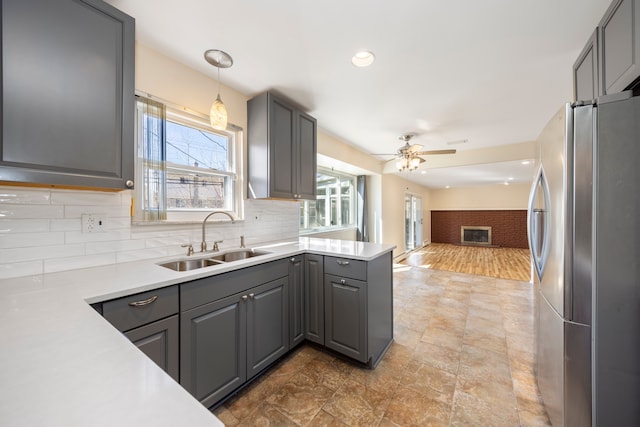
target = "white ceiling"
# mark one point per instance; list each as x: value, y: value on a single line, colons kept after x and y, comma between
x: 491, y: 72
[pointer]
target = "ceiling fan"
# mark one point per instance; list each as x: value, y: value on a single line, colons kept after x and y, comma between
x: 408, y: 158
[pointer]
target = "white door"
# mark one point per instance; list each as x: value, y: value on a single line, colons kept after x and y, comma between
x: 413, y: 221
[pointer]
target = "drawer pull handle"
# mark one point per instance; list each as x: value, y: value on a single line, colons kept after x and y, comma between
x: 244, y: 297
x: 143, y: 302
x: 340, y: 262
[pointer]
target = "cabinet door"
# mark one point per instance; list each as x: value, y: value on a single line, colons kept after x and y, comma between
x: 159, y: 341
x: 281, y: 151
x: 213, y: 349
x: 267, y: 325
x: 345, y: 316
x: 314, y: 298
x: 620, y: 46
x: 296, y: 300
x: 67, y: 93
x: 585, y: 71
x: 306, y: 157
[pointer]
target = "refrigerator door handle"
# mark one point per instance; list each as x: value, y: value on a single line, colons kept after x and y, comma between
x: 537, y: 223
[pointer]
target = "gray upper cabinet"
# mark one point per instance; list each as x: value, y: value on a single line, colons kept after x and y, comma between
x: 619, y: 42
x: 67, y: 113
x: 585, y: 71
x: 282, y: 146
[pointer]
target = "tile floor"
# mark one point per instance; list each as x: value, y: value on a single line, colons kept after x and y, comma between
x: 462, y: 356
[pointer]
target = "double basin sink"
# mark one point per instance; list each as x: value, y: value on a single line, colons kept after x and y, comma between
x: 187, y: 264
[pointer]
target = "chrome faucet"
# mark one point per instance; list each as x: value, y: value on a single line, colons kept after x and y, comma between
x: 203, y: 244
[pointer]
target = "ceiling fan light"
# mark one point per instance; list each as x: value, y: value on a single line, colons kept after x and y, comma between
x: 415, y: 162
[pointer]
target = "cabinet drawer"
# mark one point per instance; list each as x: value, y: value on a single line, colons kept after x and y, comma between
x: 139, y: 309
x: 354, y: 269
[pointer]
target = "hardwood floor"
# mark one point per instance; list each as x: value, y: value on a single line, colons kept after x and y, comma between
x: 503, y: 263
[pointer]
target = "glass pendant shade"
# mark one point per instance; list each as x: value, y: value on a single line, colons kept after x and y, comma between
x: 218, y: 114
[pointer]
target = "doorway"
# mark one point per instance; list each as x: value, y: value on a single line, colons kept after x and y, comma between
x: 412, y: 221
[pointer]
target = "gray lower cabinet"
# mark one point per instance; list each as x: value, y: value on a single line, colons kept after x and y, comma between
x: 214, y: 338
x: 346, y: 316
x: 296, y: 300
x: 358, y: 307
x: 314, y: 298
x: 619, y: 42
x: 232, y: 329
x: 160, y: 342
x: 267, y: 325
x: 150, y: 321
x: 67, y: 114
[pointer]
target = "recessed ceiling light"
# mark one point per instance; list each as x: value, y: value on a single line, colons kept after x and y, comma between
x: 423, y: 172
x: 363, y: 59
x: 446, y: 186
x: 526, y: 162
x: 510, y: 178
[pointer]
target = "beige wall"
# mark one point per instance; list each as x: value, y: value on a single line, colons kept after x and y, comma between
x: 394, y: 189
x: 515, y: 196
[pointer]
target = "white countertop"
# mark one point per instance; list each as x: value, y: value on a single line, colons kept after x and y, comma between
x: 62, y: 364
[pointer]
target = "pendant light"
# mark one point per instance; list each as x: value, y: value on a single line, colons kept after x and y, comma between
x: 218, y: 112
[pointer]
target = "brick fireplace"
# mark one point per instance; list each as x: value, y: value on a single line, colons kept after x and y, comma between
x: 508, y: 227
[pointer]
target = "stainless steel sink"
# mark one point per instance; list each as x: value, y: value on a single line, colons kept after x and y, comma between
x: 187, y: 264
x: 239, y: 254
x: 190, y: 264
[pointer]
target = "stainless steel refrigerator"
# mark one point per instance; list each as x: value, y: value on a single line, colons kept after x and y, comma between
x: 584, y: 235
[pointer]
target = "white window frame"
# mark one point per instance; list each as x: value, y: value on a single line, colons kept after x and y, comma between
x: 235, y: 135
x: 304, y: 206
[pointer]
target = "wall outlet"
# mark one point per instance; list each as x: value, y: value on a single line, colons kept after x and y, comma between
x: 94, y: 223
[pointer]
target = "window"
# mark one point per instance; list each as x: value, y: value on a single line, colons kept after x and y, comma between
x: 335, y: 204
x: 194, y: 169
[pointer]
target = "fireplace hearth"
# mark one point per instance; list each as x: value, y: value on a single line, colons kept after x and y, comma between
x: 475, y: 235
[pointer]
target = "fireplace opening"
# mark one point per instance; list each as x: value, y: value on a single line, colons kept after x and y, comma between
x: 475, y: 235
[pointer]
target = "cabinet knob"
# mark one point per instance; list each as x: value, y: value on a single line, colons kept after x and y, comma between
x: 244, y: 297
x: 129, y: 183
x: 293, y: 260
x: 342, y: 281
x: 251, y: 295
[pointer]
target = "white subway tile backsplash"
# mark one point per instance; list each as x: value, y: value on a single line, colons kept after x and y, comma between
x: 19, y: 269
x: 24, y: 225
x: 14, y: 195
x: 41, y: 230
x: 109, y: 235
x: 85, y: 198
x: 40, y: 252
x: 9, y: 211
x: 71, y: 224
x: 76, y: 211
x: 62, y: 264
x: 25, y: 240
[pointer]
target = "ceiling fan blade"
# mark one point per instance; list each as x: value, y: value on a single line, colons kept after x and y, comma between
x: 425, y: 153
x: 414, y: 148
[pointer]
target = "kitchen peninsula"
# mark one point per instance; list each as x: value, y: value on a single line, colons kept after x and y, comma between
x: 64, y: 364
